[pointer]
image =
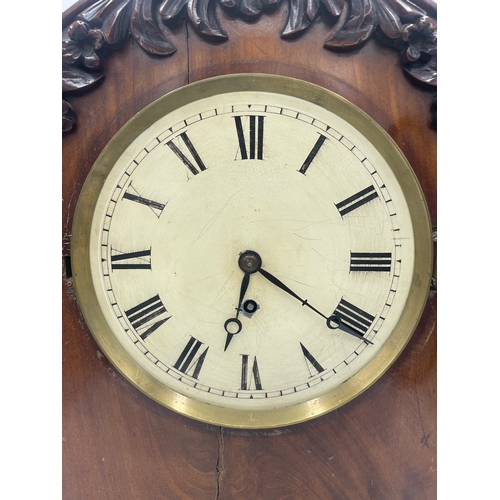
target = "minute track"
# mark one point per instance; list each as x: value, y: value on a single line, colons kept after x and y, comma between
x: 197, y: 287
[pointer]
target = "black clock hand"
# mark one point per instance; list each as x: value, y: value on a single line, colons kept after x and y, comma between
x: 243, y: 289
x: 249, y: 262
x: 235, y: 321
x: 335, y: 321
x: 279, y: 284
x: 332, y: 322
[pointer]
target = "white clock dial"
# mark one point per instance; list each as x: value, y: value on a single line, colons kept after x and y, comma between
x: 251, y: 251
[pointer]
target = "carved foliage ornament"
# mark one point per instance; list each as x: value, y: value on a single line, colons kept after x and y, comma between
x: 107, y: 23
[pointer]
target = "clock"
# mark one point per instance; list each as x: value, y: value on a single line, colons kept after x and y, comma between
x: 252, y: 251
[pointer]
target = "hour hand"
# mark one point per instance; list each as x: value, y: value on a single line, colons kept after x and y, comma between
x: 233, y: 325
x: 249, y: 262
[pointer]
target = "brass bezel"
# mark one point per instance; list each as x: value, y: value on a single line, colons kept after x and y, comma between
x: 86, y: 295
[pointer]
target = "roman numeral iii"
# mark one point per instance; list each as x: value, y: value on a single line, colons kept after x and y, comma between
x: 374, y: 262
x: 142, y: 315
x: 251, y: 142
x: 188, y: 362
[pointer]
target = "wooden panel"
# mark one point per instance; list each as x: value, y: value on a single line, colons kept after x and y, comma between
x: 119, y: 444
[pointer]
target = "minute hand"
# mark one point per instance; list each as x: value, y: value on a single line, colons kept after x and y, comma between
x: 279, y: 284
x: 330, y: 321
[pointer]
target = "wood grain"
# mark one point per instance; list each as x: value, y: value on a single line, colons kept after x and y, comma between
x: 118, y: 444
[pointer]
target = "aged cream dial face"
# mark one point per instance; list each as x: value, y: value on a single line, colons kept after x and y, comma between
x: 250, y: 251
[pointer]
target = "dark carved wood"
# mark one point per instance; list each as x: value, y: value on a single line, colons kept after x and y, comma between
x: 68, y: 117
x: 106, y: 24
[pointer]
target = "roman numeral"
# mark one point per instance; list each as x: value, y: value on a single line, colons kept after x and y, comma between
x: 247, y: 374
x: 254, y: 147
x: 353, y: 316
x: 356, y: 200
x: 380, y: 262
x: 188, y: 362
x: 155, y: 207
x: 312, y: 154
x: 312, y: 360
x: 187, y: 162
x: 134, y: 260
x: 141, y: 316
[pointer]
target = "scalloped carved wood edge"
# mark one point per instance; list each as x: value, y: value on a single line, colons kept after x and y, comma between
x: 97, y: 26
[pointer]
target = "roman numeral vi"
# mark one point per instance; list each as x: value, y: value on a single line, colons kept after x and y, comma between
x: 247, y: 374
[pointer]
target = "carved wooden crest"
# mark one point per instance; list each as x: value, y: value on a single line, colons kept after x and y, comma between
x: 103, y: 24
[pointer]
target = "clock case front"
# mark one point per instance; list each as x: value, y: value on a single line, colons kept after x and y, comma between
x: 395, y: 417
x: 84, y: 252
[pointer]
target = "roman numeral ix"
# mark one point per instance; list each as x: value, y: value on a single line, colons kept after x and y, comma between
x: 254, y: 147
x: 131, y: 260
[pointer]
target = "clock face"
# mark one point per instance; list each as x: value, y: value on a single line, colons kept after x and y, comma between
x: 249, y: 257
